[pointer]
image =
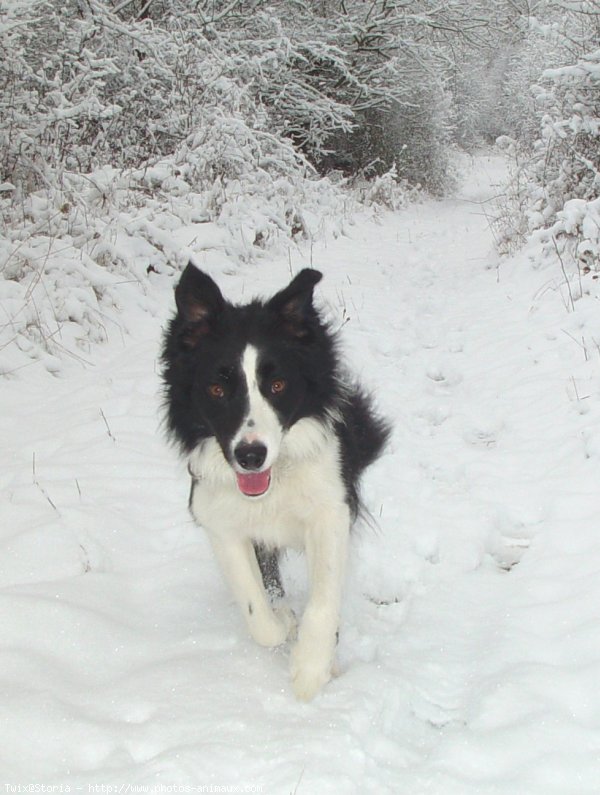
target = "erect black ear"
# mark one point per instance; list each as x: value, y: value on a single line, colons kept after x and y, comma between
x: 293, y: 305
x: 199, y: 302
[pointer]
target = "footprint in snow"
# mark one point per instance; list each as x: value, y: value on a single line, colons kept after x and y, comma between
x: 444, y: 376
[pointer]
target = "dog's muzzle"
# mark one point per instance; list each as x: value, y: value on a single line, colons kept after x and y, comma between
x: 250, y: 456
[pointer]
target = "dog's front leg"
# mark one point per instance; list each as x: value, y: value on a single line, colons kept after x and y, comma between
x: 326, y: 547
x: 240, y: 567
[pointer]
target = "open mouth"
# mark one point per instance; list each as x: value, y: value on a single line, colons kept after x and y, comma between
x: 254, y: 484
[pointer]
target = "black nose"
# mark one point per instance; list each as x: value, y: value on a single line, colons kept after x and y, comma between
x: 250, y: 456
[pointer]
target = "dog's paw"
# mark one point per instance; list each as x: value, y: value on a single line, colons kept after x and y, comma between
x: 309, y: 672
x: 274, y: 628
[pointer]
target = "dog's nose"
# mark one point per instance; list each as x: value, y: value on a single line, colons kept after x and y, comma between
x: 250, y: 455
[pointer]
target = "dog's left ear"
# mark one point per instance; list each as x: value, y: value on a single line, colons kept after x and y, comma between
x: 294, y: 304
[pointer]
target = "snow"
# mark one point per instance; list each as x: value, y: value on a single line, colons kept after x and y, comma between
x: 470, y: 646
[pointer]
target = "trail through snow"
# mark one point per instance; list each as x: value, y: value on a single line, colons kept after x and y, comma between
x: 470, y: 645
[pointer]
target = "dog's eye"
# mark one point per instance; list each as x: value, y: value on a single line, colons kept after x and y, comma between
x: 216, y: 391
x: 277, y: 386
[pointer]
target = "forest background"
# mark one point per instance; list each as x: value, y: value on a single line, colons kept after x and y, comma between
x: 266, y: 118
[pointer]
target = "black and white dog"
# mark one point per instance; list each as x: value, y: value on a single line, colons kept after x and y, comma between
x: 276, y: 440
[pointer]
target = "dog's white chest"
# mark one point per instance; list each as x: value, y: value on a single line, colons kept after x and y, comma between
x: 306, y: 488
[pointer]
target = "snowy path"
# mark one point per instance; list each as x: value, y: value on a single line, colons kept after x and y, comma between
x: 470, y: 649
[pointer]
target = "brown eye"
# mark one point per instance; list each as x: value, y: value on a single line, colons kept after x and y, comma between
x: 277, y: 386
x: 216, y: 391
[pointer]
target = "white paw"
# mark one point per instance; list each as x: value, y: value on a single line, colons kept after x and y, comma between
x: 310, y: 670
x: 274, y: 627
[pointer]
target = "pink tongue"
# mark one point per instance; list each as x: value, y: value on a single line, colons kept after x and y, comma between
x: 252, y: 484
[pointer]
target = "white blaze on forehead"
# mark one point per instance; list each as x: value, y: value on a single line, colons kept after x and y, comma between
x: 261, y: 424
x: 250, y: 367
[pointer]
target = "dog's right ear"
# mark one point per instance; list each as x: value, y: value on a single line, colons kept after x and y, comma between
x: 199, y: 302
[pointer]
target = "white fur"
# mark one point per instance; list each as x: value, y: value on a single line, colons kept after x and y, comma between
x: 304, y: 508
x: 261, y: 423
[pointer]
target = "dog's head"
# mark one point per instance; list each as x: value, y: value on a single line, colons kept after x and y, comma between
x: 246, y: 374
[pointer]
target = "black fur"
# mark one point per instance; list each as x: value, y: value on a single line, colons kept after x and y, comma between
x: 268, y: 562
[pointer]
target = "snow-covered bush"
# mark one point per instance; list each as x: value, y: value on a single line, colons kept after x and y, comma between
x: 115, y: 127
x: 570, y: 137
x: 83, y: 87
x: 554, y: 190
x: 387, y: 191
x: 555, y: 184
x: 79, y: 253
x: 86, y: 84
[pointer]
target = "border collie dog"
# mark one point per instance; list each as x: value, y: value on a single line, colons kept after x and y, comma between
x: 276, y: 440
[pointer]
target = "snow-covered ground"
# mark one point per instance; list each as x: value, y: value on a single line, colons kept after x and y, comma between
x: 470, y: 645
